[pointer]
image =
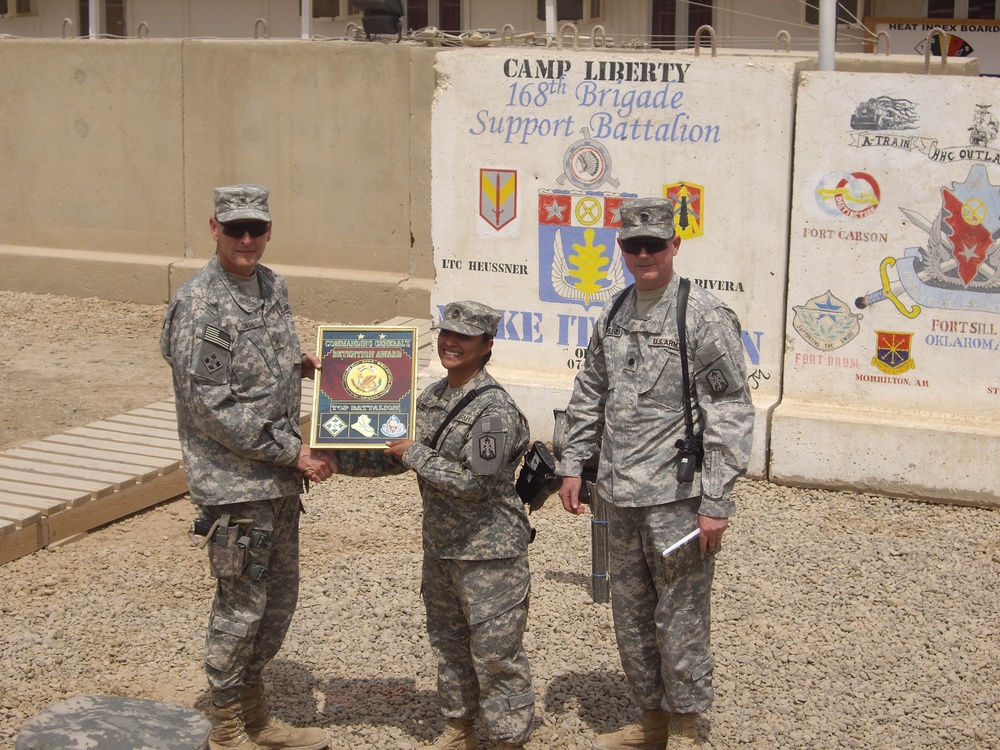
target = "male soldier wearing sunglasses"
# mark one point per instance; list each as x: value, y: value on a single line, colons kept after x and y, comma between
x: 237, y: 367
x: 631, y: 387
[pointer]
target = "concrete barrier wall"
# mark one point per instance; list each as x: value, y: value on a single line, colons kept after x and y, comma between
x: 890, y: 372
x: 391, y: 166
x: 534, y: 153
x: 111, y: 149
x: 92, y: 178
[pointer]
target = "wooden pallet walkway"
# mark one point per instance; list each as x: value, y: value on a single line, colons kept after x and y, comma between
x: 85, y: 477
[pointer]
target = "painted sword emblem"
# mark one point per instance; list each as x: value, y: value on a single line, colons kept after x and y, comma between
x: 957, y: 269
x: 498, y: 196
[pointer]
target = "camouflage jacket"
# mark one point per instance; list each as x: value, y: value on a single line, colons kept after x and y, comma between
x: 471, y: 511
x: 630, y: 387
x: 237, y: 383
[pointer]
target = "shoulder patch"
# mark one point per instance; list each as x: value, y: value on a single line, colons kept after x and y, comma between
x: 215, y: 335
x: 717, y: 380
x: 717, y: 370
x: 214, y: 355
x: 487, y: 447
x: 489, y: 439
x: 212, y: 363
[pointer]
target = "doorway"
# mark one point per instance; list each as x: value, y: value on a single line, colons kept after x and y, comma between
x: 675, y: 23
x: 112, y: 21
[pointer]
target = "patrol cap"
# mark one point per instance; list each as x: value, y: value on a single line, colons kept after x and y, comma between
x: 647, y: 217
x: 469, y: 318
x: 241, y: 203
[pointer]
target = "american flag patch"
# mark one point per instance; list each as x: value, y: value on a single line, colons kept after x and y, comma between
x: 218, y: 337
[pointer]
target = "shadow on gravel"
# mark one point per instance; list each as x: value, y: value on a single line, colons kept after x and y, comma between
x: 289, y: 687
x: 295, y: 696
x: 599, y: 699
x: 391, y: 701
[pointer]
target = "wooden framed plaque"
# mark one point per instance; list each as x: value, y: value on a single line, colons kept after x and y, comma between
x: 365, y: 394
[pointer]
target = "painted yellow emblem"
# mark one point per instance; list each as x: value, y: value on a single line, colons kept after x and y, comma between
x: 689, y: 208
x: 367, y: 380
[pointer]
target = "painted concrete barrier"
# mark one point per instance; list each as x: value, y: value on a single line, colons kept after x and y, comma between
x: 891, y: 377
x: 533, y: 153
x: 499, y: 171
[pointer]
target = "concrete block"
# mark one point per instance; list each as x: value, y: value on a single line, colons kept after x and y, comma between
x: 81, y: 273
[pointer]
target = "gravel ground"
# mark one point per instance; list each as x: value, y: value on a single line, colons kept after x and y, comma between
x: 840, y: 620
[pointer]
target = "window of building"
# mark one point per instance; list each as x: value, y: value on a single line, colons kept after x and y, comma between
x: 332, y: 9
x: 416, y: 14
x: 982, y: 9
x: 846, y: 11
x: 451, y: 15
x: 572, y: 10
x: 324, y: 9
x: 16, y: 8
x: 114, y: 17
x: 962, y: 8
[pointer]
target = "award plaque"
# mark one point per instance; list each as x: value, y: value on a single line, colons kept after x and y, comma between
x: 365, y: 393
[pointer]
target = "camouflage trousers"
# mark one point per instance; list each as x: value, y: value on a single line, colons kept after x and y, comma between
x: 250, y: 616
x: 662, y: 610
x: 476, y: 614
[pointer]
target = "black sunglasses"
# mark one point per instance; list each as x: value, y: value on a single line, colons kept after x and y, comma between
x: 652, y: 245
x: 239, y: 228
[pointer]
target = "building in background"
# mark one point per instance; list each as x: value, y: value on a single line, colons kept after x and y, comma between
x: 748, y: 24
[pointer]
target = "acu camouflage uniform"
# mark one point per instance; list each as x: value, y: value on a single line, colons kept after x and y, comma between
x: 630, y: 385
x: 237, y: 380
x: 106, y: 722
x: 475, y: 577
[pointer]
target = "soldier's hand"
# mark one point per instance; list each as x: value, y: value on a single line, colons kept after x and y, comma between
x: 332, y: 460
x: 396, y: 448
x: 712, y: 528
x: 311, y: 364
x: 569, y: 493
x: 316, y: 465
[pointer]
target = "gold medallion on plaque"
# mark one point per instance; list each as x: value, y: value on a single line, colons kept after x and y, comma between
x: 367, y: 380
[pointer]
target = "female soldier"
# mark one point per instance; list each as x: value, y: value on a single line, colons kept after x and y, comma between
x: 475, y: 577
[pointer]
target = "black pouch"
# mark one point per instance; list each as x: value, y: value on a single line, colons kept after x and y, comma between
x: 537, y: 478
x: 689, y: 455
x: 229, y: 550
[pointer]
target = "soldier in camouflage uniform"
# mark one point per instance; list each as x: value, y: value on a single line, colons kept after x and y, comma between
x: 237, y: 368
x: 630, y: 387
x: 475, y: 578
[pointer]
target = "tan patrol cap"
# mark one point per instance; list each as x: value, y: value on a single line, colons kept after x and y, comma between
x: 469, y: 318
x: 647, y: 217
x: 241, y: 203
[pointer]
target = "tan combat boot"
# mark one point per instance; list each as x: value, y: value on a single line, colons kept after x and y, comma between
x: 649, y: 733
x: 271, y: 734
x: 683, y: 733
x: 228, y: 732
x: 459, y: 734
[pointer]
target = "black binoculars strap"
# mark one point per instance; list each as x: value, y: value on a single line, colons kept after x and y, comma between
x: 682, y: 303
x: 616, y: 307
x: 466, y: 400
